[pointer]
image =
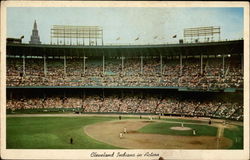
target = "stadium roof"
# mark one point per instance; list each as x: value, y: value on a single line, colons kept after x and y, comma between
x: 210, y: 48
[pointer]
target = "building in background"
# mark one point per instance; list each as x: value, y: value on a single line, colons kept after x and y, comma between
x: 34, y: 38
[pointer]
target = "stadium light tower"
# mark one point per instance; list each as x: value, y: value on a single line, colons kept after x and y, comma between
x: 207, y: 33
x: 75, y: 33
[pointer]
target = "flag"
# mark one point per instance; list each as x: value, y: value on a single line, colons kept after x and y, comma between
x: 174, y: 36
x: 136, y: 38
x: 118, y: 38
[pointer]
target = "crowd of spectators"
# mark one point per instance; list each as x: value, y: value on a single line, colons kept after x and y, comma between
x: 130, y: 74
x: 133, y: 104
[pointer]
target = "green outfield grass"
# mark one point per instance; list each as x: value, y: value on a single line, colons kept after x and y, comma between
x: 164, y: 128
x: 236, y: 135
x: 185, y: 120
x: 52, y: 133
x: 55, y: 132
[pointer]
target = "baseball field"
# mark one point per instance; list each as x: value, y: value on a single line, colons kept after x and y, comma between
x: 48, y: 131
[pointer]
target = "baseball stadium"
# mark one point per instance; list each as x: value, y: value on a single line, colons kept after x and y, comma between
x: 79, y: 93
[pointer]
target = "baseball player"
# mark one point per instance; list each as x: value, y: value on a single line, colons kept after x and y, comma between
x: 194, y: 132
x: 125, y: 130
x: 121, y: 135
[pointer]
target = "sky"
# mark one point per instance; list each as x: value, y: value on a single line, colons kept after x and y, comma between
x: 151, y: 25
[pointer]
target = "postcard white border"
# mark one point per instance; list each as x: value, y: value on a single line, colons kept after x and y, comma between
x: 84, y: 154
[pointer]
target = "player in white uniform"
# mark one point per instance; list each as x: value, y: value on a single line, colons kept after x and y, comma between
x: 121, y: 135
x: 194, y: 132
x: 125, y: 130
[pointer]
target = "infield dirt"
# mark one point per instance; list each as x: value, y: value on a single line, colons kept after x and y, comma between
x: 108, y: 132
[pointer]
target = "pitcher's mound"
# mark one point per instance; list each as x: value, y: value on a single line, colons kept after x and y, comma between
x: 181, y: 128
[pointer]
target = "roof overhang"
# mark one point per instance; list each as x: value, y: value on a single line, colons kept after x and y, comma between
x: 211, y: 48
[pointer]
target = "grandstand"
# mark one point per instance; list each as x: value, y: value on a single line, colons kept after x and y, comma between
x: 188, y: 79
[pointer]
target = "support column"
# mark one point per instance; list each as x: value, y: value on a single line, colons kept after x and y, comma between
x: 50, y: 36
x: 219, y: 35
x: 223, y: 65
x: 44, y: 98
x: 242, y: 64
x: 89, y: 37
x: 103, y: 95
x: 141, y: 64
x: 24, y: 73
x: 44, y: 66
x: 201, y: 64
x: 84, y: 59
x: 11, y: 95
x: 122, y: 63
x: 95, y: 38
x: 161, y: 63
x: 70, y: 39
x: 65, y: 65
x: 102, y: 37
x: 44, y: 95
x: 64, y: 94
x: 180, y: 64
x: 64, y: 36
x: 83, y: 99
x: 103, y: 64
x: 77, y: 36
x: 84, y: 95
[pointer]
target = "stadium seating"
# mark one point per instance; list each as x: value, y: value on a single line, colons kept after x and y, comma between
x: 130, y: 75
x: 133, y: 104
